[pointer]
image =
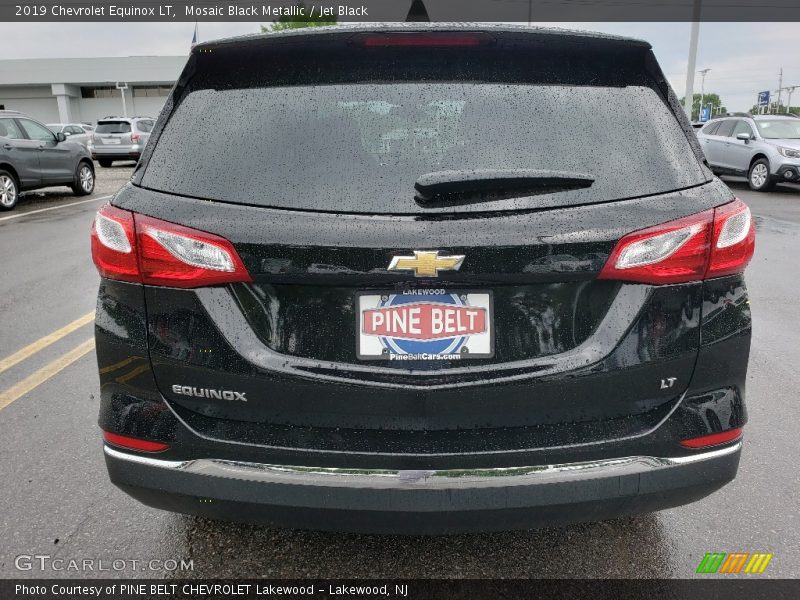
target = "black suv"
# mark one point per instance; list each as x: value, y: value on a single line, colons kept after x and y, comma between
x: 431, y: 279
x: 32, y: 157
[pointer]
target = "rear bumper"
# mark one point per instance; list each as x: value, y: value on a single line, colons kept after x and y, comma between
x: 444, y: 501
x: 126, y: 152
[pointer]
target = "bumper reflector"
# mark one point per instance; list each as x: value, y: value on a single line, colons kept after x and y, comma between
x: 130, y: 443
x: 715, y: 439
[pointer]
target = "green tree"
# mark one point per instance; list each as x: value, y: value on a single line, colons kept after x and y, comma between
x: 709, y: 99
x: 304, y: 18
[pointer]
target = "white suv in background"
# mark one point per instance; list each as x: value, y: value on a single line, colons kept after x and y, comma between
x: 764, y: 148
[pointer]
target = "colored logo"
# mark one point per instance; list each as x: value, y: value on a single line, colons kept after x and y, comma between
x: 439, y: 324
x: 426, y: 264
x: 424, y: 321
x: 735, y: 562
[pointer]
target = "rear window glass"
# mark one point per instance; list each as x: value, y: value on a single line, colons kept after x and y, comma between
x: 360, y: 147
x: 711, y: 128
x: 726, y: 128
x: 10, y: 129
x: 113, y: 127
x: 145, y: 126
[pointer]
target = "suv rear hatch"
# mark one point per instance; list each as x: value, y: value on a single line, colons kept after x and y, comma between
x: 549, y: 147
x: 113, y: 135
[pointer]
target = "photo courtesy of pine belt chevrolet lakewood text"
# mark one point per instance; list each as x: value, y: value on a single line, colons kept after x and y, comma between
x: 431, y: 279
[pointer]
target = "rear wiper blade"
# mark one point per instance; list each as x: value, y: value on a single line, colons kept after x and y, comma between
x: 479, y: 185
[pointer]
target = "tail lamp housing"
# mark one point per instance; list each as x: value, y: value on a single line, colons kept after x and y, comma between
x: 709, y: 244
x: 141, y: 249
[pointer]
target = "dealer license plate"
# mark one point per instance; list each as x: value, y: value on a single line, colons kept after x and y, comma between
x: 424, y: 325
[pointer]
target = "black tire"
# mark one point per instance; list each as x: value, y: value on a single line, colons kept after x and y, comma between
x: 104, y: 162
x: 9, y: 190
x: 83, y: 181
x: 759, y: 178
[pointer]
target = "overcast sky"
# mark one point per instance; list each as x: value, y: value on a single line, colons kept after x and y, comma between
x: 744, y: 58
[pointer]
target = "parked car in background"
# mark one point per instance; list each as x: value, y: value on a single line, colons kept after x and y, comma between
x: 74, y: 132
x: 763, y: 148
x: 32, y: 156
x: 120, y: 138
x: 423, y: 298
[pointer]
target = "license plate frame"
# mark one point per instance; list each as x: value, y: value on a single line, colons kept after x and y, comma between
x: 382, y: 300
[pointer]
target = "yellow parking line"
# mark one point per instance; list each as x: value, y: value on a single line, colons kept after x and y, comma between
x: 44, y: 342
x: 32, y: 381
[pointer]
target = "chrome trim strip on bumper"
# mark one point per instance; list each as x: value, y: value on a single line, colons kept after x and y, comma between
x: 427, y: 479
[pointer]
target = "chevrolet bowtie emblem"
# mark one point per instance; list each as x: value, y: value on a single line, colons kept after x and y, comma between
x: 425, y: 263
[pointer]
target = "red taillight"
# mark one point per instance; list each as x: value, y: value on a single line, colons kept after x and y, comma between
x: 135, y: 138
x: 132, y: 247
x: 704, y: 245
x: 177, y: 256
x: 422, y: 40
x: 130, y: 443
x: 734, y: 239
x: 715, y: 439
x: 114, y: 244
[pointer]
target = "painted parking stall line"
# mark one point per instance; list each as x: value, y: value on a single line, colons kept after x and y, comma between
x: 49, y: 208
x: 44, y: 342
x: 34, y: 380
x: 18, y: 390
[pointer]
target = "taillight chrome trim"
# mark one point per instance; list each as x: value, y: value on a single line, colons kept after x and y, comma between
x: 739, y: 237
x: 687, y: 234
x: 169, y: 240
x: 101, y: 222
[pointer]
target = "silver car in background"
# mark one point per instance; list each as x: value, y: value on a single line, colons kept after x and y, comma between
x: 763, y: 148
x: 120, y: 138
x: 74, y: 132
x: 32, y: 156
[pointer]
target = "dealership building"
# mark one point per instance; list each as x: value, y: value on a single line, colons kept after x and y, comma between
x: 83, y: 90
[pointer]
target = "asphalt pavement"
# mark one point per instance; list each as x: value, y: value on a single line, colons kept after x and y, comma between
x: 57, y: 501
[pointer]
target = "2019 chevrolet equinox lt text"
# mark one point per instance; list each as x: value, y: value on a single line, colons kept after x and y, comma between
x: 432, y: 279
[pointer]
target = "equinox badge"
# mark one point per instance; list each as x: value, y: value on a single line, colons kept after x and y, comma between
x: 186, y: 390
x: 426, y: 263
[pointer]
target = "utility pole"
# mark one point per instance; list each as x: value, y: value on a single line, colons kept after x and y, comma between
x: 702, y: 90
x: 780, y: 86
x: 122, y: 86
x: 688, y: 99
